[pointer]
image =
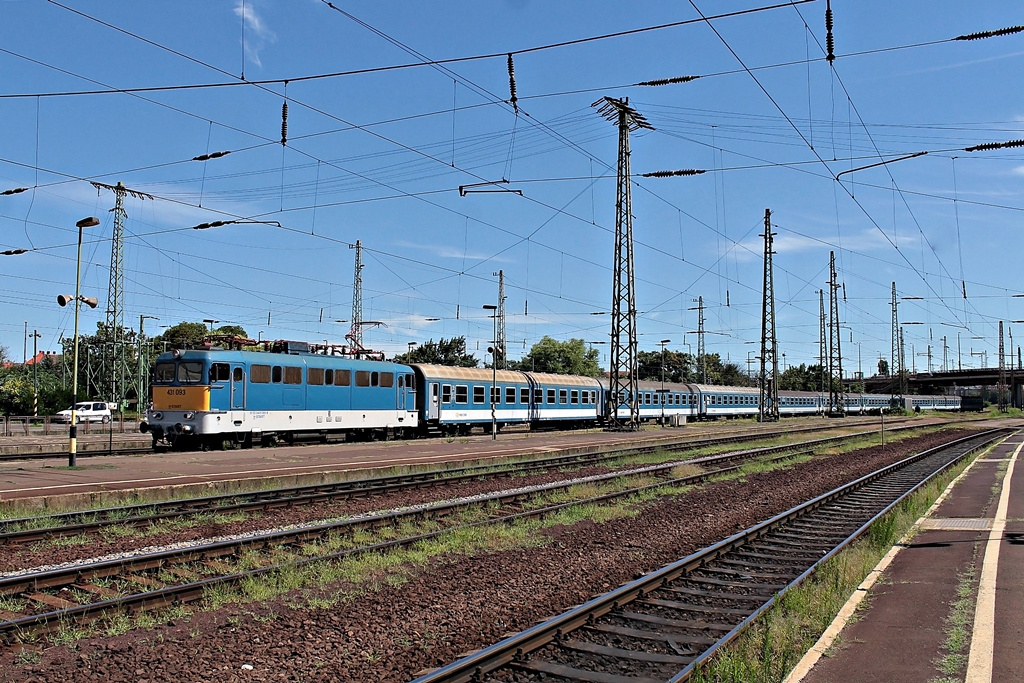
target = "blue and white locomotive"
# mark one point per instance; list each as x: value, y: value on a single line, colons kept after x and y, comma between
x: 213, y: 398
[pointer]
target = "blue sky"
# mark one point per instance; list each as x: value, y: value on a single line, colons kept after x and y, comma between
x: 378, y: 156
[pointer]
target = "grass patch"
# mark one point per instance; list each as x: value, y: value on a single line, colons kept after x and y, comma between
x: 958, y: 629
x: 772, y: 646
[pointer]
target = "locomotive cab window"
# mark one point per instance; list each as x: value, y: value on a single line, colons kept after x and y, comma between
x: 190, y: 372
x: 163, y: 373
x: 238, y: 374
x: 219, y: 372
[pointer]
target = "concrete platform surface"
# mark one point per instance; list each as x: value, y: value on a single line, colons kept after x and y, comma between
x: 969, y: 548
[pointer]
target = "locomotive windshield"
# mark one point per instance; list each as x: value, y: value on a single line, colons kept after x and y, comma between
x: 190, y: 372
x: 163, y: 373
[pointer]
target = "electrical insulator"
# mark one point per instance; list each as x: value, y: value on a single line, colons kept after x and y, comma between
x: 512, y: 84
x: 284, y: 122
x: 669, y: 81
x: 830, y: 43
x: 991, y: 34
x: 16, y: 190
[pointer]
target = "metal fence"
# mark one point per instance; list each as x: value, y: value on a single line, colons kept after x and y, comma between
x: 28, y: 425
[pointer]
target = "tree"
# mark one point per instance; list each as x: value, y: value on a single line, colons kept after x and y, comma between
x: 184, y: 335
x: 724, y: 374
x: 883, y: 366
x: 450, y: 352
x: 563, y: 358
x: 801, y: 378
x: 679, y: 367
x: 233, y: 330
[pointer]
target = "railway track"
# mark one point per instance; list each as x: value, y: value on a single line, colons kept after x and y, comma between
x: 103, y: 451
x: 41, y: 601
x: 665, y: 625
x: 42, y: 528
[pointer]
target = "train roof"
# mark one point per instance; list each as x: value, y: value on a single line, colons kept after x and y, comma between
x: 444, y: 372
x: 270, y: 358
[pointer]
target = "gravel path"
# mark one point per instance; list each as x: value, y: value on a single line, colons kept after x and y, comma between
x: 452, y: 605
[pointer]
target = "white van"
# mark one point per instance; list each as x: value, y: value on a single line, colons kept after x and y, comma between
x: 91, y: 411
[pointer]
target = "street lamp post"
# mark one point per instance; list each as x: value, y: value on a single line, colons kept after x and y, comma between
x: 663, y: 342
x: 494, y: 368
x: 89, y: 222
x: 211, y: 322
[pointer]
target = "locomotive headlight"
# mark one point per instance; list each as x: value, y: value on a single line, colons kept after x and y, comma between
x: 189, y: 415
x: 158, y: 416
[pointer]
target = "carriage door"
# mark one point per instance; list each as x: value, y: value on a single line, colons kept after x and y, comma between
x: 433, y: 410
x: 237, y: 394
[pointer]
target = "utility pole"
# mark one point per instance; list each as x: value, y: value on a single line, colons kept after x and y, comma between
x: 500, y: 340
x: 768, y: 407
x: 903, y: 369
x: 623, y: 381
x: 701, y: 356
x: 356, y: 334
x: 836, y: 394
x: 1001, y: 389
x: 35, y: 372
x: 896, y: 359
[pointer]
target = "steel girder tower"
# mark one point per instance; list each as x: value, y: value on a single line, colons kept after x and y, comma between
x: 115, y: 359
x: 356, y: 333
x: 701, y: 353
x: 768, y: 407
x: 623, y: 382
x: 1001, y: 388
x: 822, y: 339
x: 836, y: 395
x: 896, y: 359
x: 501, y: 340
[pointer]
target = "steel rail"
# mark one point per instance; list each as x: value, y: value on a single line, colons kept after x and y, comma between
x: 32, y: 529
x: 514, y: 648
x: 11, y: 629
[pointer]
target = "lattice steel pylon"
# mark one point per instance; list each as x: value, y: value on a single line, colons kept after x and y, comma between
x: 114, y: 352
x: 822, y: 339
x: 836, y: 395
x: 701, y: 356
x: 896, y: 359
x: 501, y: 341
x: 356, y: 333
x: 1001, y: 388
x: 623, y: 382
x: 768, y: 407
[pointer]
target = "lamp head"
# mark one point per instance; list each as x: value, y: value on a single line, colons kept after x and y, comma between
x: 89, y: 222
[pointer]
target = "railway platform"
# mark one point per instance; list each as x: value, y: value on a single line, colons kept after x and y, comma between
x: 960, y: 569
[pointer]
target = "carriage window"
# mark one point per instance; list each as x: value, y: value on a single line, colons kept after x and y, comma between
x: 446, y: 393
x: 315, y: 376
x: 342, y: 378
x: 362, y: 378
x: 551, y: 395
x: 387, y: 379
x: 462, y: 394
x: 259, y: 374
x: 219, y: 372
x: 495, y: 394
x: 524, y: 396
x: 479, y: 394
x: 510, y: 394
x: 190, y: 373
x: 584, y: 397
x: 563, y: 396
x: 574, y: 396
x: 163, y: 373
x: 276, y: 374
x: 292, y: 375
x: 538, y: 396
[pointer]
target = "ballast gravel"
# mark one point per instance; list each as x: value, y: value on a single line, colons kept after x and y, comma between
x: 424, y: 617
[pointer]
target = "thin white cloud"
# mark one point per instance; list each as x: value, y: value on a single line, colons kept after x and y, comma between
x: 257, y: 33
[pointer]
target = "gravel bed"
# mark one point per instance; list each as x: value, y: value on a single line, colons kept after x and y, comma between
x: 452, y: 605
